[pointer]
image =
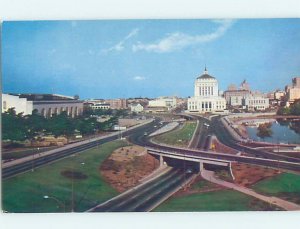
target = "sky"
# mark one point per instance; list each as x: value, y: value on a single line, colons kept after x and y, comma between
x: 147, y: 58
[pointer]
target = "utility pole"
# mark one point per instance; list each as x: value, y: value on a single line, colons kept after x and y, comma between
x: 32, y: 165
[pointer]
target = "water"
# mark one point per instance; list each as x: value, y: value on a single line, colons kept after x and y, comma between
x: 281, y: 133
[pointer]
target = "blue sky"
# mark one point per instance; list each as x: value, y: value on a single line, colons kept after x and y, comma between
x: 130, y: 58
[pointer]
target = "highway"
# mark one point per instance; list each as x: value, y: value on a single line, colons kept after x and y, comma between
x: 216, y: 127
x: 224, y: 137
x: 137, y: 136
x: 37, y: 162
x: 144, y: 197
x: 272, y: 161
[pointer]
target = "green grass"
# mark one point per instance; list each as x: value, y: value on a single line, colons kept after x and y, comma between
x: 225, y: 200
x: 285, y: 185
x: 179, y: 137
x: 24, y: 193
x: 203, y: 184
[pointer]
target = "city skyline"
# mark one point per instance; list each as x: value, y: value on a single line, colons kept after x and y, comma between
x: 148, y: 58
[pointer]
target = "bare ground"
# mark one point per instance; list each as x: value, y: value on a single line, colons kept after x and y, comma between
x: 127, y: 166
x: 246, y: 175
x: 221, y: 148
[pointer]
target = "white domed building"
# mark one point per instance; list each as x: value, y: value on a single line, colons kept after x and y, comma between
x: 206, y: 96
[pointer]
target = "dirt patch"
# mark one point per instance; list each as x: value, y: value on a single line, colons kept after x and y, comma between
x: 221, y: 148
x: 127, y: 166
x: 198, y: 185
x: 246, y: 175
x: 76, y: 175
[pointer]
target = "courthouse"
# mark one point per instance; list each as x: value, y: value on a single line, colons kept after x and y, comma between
x: 206, y: 95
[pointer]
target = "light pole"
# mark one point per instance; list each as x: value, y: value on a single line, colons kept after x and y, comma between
x: 32, y: 165
x: 57, y: 200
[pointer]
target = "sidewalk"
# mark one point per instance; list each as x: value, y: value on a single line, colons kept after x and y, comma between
x: 289, y: 206
x: 170, y: 126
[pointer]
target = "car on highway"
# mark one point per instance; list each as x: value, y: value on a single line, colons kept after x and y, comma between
x: 189, y: 171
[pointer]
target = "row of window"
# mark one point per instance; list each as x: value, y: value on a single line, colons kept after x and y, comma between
x: 206, y: 90
x: 70, y: 111
x: 251, y: 102
x: 205, y: 106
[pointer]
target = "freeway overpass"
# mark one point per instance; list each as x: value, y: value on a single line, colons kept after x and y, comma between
x: 207, y: 157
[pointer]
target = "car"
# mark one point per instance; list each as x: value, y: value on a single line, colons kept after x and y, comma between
x: 189, y: 171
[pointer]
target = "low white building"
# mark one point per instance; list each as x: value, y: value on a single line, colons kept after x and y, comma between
x: 45, y: 104
x: 169, y: 102
x: 138, y: 108
x: 256, y: 103
x: 21, y: 105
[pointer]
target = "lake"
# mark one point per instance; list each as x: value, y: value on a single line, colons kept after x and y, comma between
x: 282, y: 133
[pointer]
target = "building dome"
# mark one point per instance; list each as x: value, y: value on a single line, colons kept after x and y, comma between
x: 205, y: 75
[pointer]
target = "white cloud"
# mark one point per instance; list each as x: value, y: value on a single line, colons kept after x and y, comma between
x: 139, y: 78
x: 120, y: 45
x: 177, y: 41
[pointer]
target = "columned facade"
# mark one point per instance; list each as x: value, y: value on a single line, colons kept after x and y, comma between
x: 206, y: 95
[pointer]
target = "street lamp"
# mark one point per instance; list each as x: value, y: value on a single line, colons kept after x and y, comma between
x: 32, y: 164
x: 58, y: 201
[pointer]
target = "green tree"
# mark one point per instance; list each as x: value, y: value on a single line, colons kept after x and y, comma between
x: 35, y: 124
x: 61, y: 125
x: 264, y: 130
x: 295, y: 108
x: 13, y: 127
x: 283, y: 111
x: 86, y: 126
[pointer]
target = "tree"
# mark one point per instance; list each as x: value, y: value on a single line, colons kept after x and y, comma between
x: 264, y: 130
x: 295, y: 108
x: 61, y: 125
x: 283, y: 111
x: 35, y: 124
x: 86, y: 126
x: 13, y: 127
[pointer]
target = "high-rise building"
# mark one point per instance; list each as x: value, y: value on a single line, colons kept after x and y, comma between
x: 293, y: 92
x: 296, y: 82
x: 206, y: 95
x: 235, y: 96
x: 245, y: 86
x: 117, y: 103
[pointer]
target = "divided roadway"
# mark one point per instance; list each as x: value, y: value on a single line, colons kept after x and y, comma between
x: 13, y: 170
x: 144, y: 197
x: 139, y: 138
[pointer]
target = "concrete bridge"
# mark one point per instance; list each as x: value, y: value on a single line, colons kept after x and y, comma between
x: 172, y: 158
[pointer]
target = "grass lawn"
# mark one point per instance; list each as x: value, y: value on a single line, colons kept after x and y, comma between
x: 24, y: 193
x: 203, y: 184
x: 224, y: 200
x: 285, y: 185
x: 179, y: 137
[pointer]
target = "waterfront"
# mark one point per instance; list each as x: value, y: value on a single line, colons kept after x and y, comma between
x: 281, y: 133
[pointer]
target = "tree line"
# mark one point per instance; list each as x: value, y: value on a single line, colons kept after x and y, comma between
x: 294, y: 109
x: 19, y: 127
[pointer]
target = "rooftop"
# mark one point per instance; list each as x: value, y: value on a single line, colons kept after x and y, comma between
x: 43, y: 97
x: 205, y: 75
